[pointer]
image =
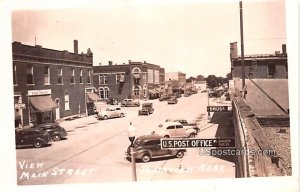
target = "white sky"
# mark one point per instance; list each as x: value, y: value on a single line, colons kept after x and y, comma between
x: 192, y: 37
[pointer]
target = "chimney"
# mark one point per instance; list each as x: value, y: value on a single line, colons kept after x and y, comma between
x: 110, y: 63
x: 284, y: 49
x: 145, y: 62
x: 75, y: 46
x: 129, y: 61
x: 233, y: 50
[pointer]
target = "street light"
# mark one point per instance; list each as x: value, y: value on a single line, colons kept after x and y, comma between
x: 131, y: 136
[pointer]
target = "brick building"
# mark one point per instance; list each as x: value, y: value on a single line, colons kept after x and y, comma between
x: 137, y: 80
x: 50, y: 84
x: 260, y: 66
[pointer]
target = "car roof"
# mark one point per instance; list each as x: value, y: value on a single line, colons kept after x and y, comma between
x: 149, y: 137
x: 175, y: 119
x: 31, y: 129
x: 147, y: 103
x: 170, y: 123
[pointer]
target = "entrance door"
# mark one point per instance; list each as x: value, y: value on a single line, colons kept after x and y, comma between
x: 57, y: 112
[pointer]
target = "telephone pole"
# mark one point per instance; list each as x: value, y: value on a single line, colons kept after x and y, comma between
x: 242, y: 45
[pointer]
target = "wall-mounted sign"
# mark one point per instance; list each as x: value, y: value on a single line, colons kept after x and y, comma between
x: 217, y: 108
x: 20, y: 106
x: 39, y: 92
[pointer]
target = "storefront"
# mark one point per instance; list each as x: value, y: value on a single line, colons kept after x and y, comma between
x: 19, y: 106
x: 41, y: 106
x: 91, y: 100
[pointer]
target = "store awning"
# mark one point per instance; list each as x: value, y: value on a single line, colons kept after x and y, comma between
x: 42, y: 103
x: 92, y: 97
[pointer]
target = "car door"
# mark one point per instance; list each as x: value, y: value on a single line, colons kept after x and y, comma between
x: 20, y: 137
x: 158, y: 150
x: 180, y: 131
x: 117, y: 112
x: 112, y: 112
x: 172, y: 131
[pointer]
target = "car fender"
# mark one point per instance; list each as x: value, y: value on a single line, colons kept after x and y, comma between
x: 139, y: 154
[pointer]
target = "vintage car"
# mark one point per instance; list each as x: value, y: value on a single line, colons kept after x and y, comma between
x: 112, y: 101
x: 54, y: 129
x: 164, y: 97
x: 111, y: 112
x: 148, y: 147
x: 130, y: 103
x: 36, y: 137
x: 147, y: 109
x: 174, y: 129
x: 172, y: 100
x: 185, y: 123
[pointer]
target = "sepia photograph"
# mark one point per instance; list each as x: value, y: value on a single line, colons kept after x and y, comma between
x: 151, y: 95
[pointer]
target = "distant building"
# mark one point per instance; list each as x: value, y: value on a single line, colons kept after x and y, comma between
x: 49, y: 84
x: 259, y: 66
x: 137, y: 80
x: 175, y: 82
x: 178, y: 76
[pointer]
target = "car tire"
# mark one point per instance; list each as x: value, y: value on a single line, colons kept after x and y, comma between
x: 180, y: 154
x: 122, y: 115
x: 192, y: 135
x: 146, y: 158
x: 37, y: 144
x: 56, y: 137
x: 105, y: 117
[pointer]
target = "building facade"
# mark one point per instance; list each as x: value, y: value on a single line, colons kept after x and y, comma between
x: 49, y: 84
x: 259, y: 66
x: 137, y: 80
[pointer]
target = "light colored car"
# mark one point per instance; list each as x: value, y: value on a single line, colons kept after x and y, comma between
x: 111, y: 112
x: 185, y: 123
x: 174, y: 129
x: 130, y: 103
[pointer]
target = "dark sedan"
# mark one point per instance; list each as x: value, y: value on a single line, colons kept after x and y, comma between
x: 55, y: 130
x: 33, y: 136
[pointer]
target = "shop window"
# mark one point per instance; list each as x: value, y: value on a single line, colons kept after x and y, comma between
x: 101, y: 93
x: 67, y: 102
x: 105, y: 93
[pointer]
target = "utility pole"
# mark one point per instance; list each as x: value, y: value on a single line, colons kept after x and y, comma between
x: 242, y: 45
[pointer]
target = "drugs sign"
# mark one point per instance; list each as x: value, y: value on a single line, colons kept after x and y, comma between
x: 217, y: 108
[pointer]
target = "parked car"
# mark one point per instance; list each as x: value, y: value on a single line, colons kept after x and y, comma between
x: 130, y: 103
x: 174, y: 129
x: 111, y: 112
x: 185, y: 123
x: 148, y: 147
x: 147, y: 108
x: 164, y: 97
x: 172, y: 100
x: 36, y: 137
x: 54, y: 129
x: 112, y: 101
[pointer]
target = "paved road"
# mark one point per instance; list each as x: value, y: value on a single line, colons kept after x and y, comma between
x: 94, y: 150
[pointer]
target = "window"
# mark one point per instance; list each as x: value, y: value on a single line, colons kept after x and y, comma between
x: 118, y: 76
x: 171, y: 127
x: 136, y: 92
x: 179, y: 126
x: 105, y: 93
x: 80, y: 77
x: 72, y: 76
x: 46, y: 75
x: 101, y: 93
x: 102, y: 79
x: 29, y: 75
x: 89, y: 77
x: 59, y: 77
x: 15, y: 75
x: 67, y: 105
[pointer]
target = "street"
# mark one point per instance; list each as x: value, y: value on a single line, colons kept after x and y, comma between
x: 94, y: 150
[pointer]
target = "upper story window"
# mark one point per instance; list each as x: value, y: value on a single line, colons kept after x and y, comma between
x: 30, y: 74
x: 89, y: 77
x: 60, y: 76
x: 72, y: 76
x: 15, y: 74
x: 46, y: 75
x: 120, y: 78
x: 103, y: 79
x: 80, y: 77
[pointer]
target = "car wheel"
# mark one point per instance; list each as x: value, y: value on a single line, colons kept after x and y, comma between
x: 56, y: 137
x: 180, y: 154
x: 166, y: 136
x: 146, y: 158
x: 105, y: 117
x: 121, y: 115
x: 37, y: 144
x: 192, y: 135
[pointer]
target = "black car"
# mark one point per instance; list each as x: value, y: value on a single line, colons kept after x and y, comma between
x: 147, y: 108
x: 147, y: 147
x: 55, y: 130
x: 112, y: 101
x: 32, y: 136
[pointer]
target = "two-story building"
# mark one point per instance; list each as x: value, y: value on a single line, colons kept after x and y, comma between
x: 50, y: 84
x: 137, y: 80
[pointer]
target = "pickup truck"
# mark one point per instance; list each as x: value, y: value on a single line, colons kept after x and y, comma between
x: 174, y: 129
x: 185, y: 123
